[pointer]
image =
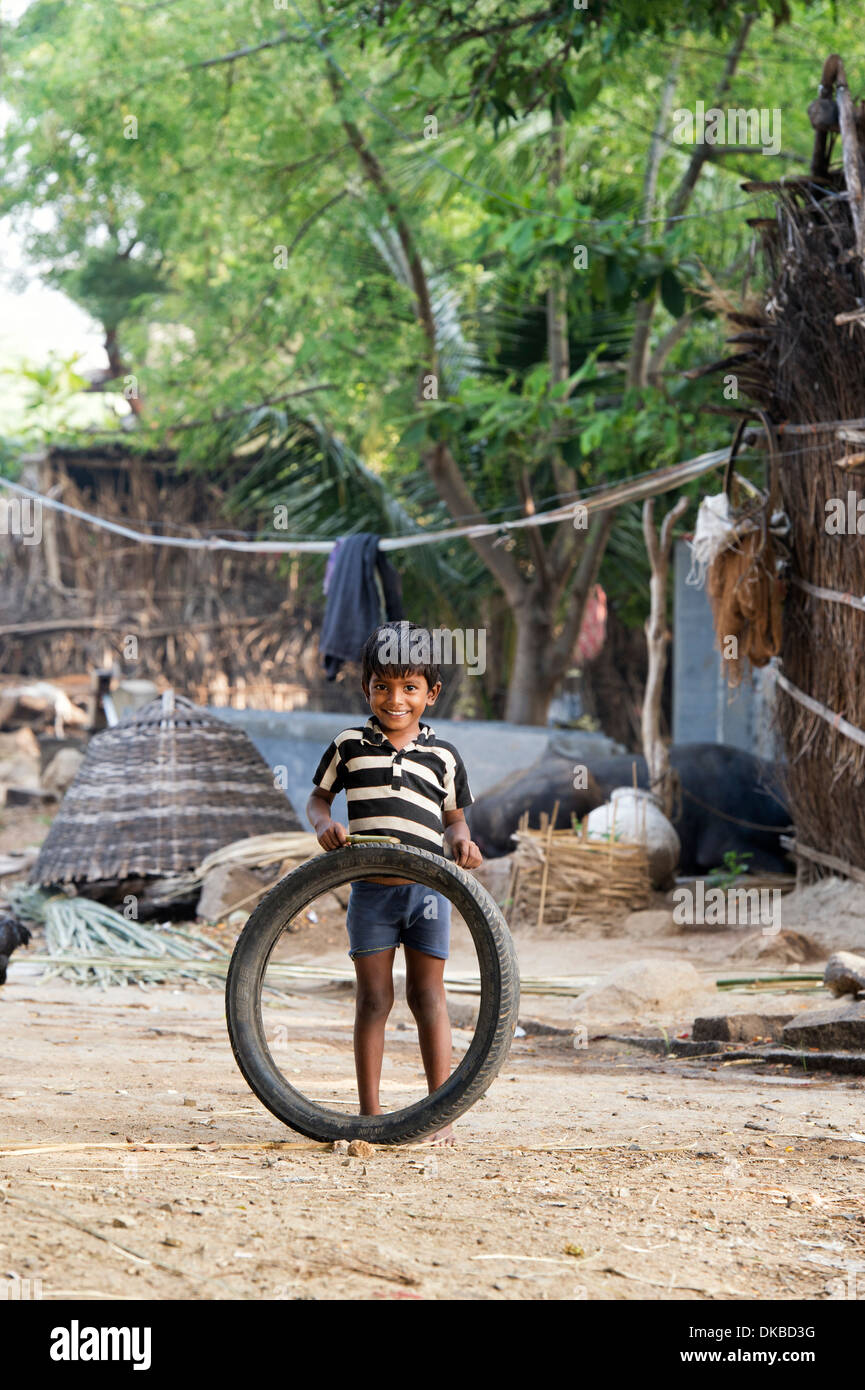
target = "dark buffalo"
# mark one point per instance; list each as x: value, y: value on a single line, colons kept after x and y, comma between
x: 494, y: 816
x: 729, y: 800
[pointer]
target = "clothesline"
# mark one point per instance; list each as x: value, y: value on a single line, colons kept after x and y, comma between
x: 664, y: 480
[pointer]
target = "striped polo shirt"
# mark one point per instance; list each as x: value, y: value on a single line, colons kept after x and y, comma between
x: 395, y: 791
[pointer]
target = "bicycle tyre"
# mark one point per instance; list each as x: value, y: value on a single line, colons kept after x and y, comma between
x: 497, y: 1015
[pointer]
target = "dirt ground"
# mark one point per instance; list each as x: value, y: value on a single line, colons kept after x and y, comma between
x: 142, y: 1167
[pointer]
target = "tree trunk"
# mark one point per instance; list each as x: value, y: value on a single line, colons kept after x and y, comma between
x: 638, y: 362
x: 540, y: 657
x: 530, y: 689
x: 655, y: 749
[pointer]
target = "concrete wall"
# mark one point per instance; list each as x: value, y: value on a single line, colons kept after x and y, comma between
x: 704, y: 710
x: 490, y: 750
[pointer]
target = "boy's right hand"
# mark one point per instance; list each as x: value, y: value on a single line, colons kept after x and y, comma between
x: 331, y: 835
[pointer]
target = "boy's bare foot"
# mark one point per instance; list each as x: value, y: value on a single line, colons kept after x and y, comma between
x: 443, y: 1138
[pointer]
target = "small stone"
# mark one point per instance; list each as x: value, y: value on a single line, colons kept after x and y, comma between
x: 845, y: 973
x: 739, y: 1027
x: 223, y: 888
x: 169, y: 1240
x: 340, y: 1146
x: 782, y: 948
x: 840, y: 1025
x: 188, y: 1100
x: 359, y: 1148
x: 632, y: 991
x: 61, y: 771
x: 651, y: 922
x: 462, y: 1014
x: 122, y: 1222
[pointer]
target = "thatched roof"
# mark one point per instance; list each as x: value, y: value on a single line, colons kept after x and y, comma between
x: 165, y: 787
x: 801, y: 359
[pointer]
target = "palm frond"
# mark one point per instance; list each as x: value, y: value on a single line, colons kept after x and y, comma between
x: 328, y: 491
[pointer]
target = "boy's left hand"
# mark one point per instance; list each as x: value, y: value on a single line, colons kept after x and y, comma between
x: 466, y: 854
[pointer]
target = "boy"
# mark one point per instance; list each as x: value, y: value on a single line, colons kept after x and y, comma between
x: 399, y: 780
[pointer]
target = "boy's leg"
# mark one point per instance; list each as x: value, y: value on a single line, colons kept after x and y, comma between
x: 373, y: 1003
x: 425, y: 996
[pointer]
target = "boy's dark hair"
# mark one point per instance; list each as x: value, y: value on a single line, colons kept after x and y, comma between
x: 399, y: 649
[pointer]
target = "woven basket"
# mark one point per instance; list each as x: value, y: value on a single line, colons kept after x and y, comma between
x: 560, y: 879
x: 156, y: 794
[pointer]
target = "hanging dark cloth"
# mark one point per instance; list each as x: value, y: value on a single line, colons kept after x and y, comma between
x: 363, y: 590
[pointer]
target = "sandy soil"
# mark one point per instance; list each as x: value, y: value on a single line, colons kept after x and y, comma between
x: 590, y: 1173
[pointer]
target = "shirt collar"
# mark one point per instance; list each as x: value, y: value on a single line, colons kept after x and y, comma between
x: 374, y: 733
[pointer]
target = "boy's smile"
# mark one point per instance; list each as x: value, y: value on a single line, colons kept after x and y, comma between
x: 399, y: 701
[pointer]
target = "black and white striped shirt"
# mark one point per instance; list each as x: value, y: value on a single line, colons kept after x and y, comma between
x: 395, y: 791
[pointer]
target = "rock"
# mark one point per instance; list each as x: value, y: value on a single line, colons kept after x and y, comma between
x: 634, y: 816
x: 123, y: 1223
x: 340, y: 1146
x: 845, y: 973
x: 26, y: 796
x: 495, y: 876
x: 61, y: 771
x: 461, y: 1015
x: 833, y: 1025
x: 224, y: 887
x: 19, y: 761
x: 783, y: 948
x: 668, y: 987
x: 739, y: 1027
x: 536, y: 1028
x: 359, y: 1148
x: 651, y: 922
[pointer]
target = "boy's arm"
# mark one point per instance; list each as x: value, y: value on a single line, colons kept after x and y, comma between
x: 329, y: 833
x: 458, y: 836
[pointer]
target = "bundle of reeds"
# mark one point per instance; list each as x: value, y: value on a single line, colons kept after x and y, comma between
x: 562, y: 878
x: 92, y: 944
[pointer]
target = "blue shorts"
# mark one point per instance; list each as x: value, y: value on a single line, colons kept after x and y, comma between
x: 382, y: 915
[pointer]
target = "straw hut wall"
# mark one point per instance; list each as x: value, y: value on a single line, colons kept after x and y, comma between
x: 156, y: 794
x: 800, y: 356
x: 230, y: 628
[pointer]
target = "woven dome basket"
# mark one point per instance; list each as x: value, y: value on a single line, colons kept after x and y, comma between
x: 156, y: 794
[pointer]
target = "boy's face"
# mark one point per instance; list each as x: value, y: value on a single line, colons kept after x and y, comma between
x: 399, y: 701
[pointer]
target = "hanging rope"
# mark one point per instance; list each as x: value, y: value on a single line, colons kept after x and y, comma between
x: 664, y: 480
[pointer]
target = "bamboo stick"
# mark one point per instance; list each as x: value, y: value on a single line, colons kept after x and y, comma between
x: 546, y: 869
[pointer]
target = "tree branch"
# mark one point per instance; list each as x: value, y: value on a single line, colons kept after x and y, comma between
x: 533, y: 535
x: 636, y: 369
x: 587, y: 573
x: 655, y: 750
x: 637, y: 363
x: 281, y: 38
x: 682, y: 196
x: 245, y: 409
x: 443, y: 469
x: 454, y: 492
x: 665, y: 347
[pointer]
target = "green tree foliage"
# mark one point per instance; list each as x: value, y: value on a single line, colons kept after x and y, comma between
x: 248, y: 196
